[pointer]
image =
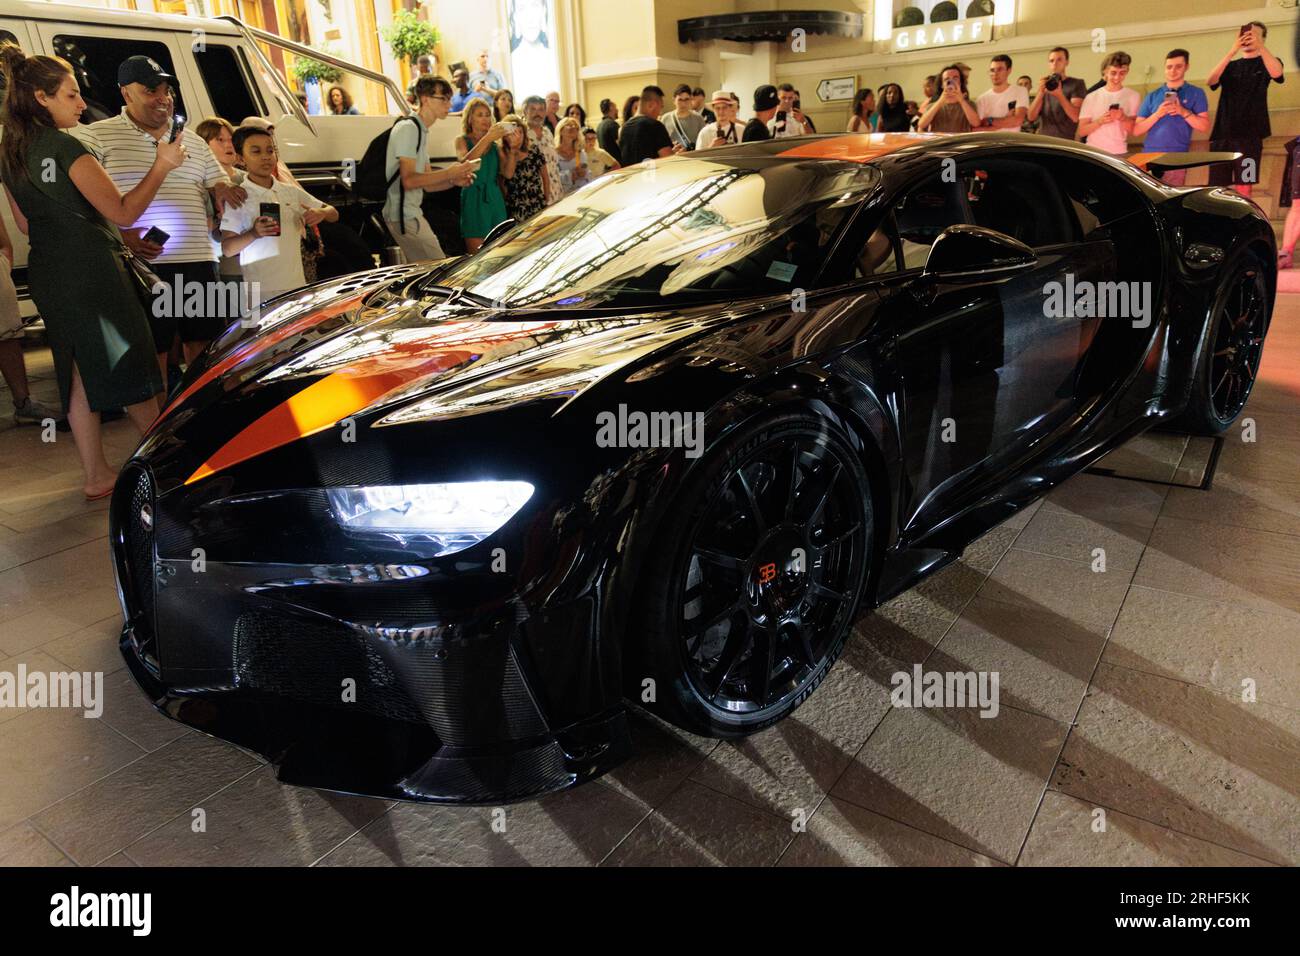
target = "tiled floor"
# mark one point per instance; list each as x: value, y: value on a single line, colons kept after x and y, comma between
x: 1123, y: 735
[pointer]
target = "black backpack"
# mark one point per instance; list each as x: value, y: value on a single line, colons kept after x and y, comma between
x: 371, y: 182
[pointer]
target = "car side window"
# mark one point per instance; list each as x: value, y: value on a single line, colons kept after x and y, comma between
x: 1096, y: 196
x: 1018, y: 197
x: 228, y: 88
x: 95, y: 60
x: 925, y: 213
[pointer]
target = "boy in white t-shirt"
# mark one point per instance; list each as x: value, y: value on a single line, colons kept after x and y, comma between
x: 269, y: 253
x: 1108, y: 113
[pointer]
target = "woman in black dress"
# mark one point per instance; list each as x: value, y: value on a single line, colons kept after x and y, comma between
x: 64, y: 201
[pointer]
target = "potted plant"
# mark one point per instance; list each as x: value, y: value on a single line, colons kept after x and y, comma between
x: 409, y: 37
x: 306, y: 70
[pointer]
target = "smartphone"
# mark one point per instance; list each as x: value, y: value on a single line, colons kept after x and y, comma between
x: 1170, y: 95
x: 156, y: 235
x: 1113, y: 106
x: 1246, y: 28
x: 271, y: 210
x: 780, y: 116
x: 1011, y: 106
x: 178, y: 127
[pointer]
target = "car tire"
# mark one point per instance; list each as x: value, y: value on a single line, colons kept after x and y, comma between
x: 1234, y: 343
x: 752, y: 585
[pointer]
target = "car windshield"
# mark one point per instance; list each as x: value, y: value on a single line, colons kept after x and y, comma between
x: 685, y: 229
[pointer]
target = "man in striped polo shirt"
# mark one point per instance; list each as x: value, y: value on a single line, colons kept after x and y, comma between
x: 187, y: 260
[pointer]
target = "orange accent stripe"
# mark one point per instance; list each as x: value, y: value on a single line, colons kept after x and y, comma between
x: 859, y: 147
x: 255, y: 345
x: 317, y: 407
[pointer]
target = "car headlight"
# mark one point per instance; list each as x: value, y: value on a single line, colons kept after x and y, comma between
x: 452, y: 516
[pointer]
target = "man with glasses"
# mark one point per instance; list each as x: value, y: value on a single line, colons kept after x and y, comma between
x: 125, y: 145
x: 724, y: 131
x: 1002, y: 106
x: 407, y: 167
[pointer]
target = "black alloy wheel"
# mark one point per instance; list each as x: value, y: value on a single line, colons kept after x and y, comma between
x: 763, y: 567
x: 1234, y: 345
x: 1238, y: 344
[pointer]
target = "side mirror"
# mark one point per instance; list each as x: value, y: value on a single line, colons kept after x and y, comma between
x: 497, y: 231
x: 973, y: 254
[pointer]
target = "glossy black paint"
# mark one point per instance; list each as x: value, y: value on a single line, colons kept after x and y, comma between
x: 483, y: 684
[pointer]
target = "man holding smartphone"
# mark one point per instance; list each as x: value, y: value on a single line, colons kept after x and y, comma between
x: 125, y: 145
x: 1241, y: 122
x: 1107, y: 115
x: 785, y: 124
x: 1171, y: 112
x: 1002, y: 106
x: 952, y: 111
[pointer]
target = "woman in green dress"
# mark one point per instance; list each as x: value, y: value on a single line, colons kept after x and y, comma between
x: 482, y: 204
x: 64, y: 201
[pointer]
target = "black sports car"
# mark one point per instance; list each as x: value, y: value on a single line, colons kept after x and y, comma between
x: 422, y: 532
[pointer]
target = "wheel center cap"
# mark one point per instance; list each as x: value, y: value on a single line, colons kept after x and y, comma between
x: 779, y: 575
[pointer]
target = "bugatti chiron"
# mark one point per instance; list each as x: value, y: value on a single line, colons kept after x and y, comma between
x: 428, y: 532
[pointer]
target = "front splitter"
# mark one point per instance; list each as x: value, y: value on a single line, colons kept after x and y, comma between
x: 356, y: 753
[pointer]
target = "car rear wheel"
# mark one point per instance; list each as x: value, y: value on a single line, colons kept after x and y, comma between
x: 754, y: 581
x: 1234, y: 344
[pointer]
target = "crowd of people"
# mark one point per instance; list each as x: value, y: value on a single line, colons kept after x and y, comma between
x: 235, y: 213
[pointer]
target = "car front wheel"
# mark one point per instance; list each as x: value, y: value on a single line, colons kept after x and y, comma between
x: 755, y: 579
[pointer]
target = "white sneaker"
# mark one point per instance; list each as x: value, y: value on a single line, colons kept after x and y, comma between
x: 33, y: 412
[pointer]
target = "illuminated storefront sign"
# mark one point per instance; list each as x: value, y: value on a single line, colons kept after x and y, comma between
x: 946, y: 33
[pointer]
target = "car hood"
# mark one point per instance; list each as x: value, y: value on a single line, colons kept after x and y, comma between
x: 339, y: 352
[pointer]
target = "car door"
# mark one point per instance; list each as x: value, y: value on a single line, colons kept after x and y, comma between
x: 1045, y: 343
x: 946, y: 349
x: 987, y: 377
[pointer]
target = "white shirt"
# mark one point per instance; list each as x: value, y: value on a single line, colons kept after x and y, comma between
x: 710, y: 133
x: 1110, y: 137
x: 1000, y: 105
x: 180, y: 208
x: 792, y: 128
x: 273, y: 261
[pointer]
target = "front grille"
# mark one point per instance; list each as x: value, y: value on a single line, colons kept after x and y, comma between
x: 138, y: 521
x: 469, y: 691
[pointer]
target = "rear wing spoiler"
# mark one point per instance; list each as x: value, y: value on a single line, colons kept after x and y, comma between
x: 1157, y: 163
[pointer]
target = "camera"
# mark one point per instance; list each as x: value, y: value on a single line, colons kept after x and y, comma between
x: 1052, y: 83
